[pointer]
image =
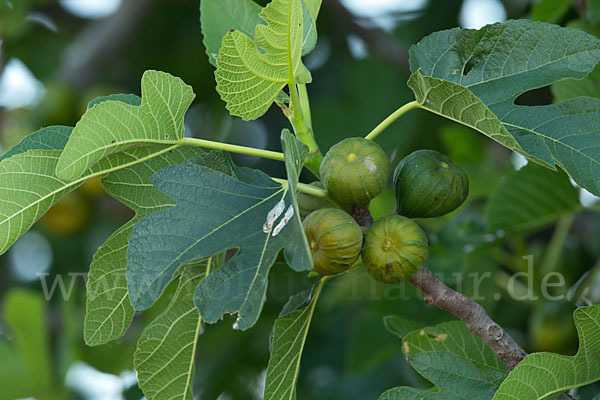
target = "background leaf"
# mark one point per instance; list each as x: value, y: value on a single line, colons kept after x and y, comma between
x: 473, y: 77
x: 108, y: 307
x: 218, y: 17
x: 166, y: 349
x: 32, y: 372
x: 542, y: 374
x: 48, y: 138
x: 249, y: 80
x: 550, y: 10
x: 531, y: 198
x: 572, y: 88
x: 113, y: 126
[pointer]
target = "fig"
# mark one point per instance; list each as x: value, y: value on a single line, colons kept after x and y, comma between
x: 395, y: 249
x: 429, y: 184
x: 354, y: 171
x: 335, y: 240
x: 308, y: 203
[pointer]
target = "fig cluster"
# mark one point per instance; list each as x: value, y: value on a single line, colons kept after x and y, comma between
x: 394, y: 248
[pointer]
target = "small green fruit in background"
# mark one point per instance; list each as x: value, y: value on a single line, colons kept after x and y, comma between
x: 429, y: 184
x: 308, y: 203
x: 335, y: 240
x: 395, y: 249
x: 355, y: 170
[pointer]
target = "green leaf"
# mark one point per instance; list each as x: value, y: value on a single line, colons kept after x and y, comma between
x: 108, y: 307
x: 456, y: 378
x: 453, y: 337
x: 48, y: 138
x: 459, y: 363
x: 28, y: 188
x: 164, y: 358
x: 310, y: 9
x: 505, y: 60
x: 550, y: 10
x: 218, y: 17
x: 28, y: 183
x: 131, y: 99
x: 249, y: 79
x: 542, y: 374
x: 113, y: 126
x: 289, y: 335
x: 531, y: 198
x: 215, y: 212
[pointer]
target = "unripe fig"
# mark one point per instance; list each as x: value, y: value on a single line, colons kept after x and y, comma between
x: 395, y: 249
x: 335, y: 240
x: 429, y: 184
x: 308, y: 203
x: 354, y: 171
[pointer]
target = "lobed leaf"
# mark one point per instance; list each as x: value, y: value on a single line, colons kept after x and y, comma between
x: 28, y: 188
x: 542, y: 374
x: 215, y: 212
x: 113, y: 126
x: 108, y: 308
x: 29, y: 185
x: 473, y: 77
x: 531, y: 198
x: 218, y: 17
x: 249, y: 79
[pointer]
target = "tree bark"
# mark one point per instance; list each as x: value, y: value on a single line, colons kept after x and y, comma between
x: 479, y: 323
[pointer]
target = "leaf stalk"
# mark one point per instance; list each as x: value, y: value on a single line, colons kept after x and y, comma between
x: 391, y: 118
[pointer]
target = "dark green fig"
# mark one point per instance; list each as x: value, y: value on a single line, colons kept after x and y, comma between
x: 429, y: 184
x: 335, y: 240
x: 395, y: 249
x: 354, y: 171
x: 308, y: 203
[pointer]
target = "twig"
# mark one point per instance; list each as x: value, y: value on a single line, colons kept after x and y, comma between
x: 439, y: 295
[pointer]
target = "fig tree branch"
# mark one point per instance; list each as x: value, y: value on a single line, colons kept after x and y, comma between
x: 479, y: 323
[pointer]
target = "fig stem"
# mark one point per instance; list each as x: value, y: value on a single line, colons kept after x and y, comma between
x: 233, y: 148
x: 304, y: 188
x: 391, y: 118
x: 301, y: 122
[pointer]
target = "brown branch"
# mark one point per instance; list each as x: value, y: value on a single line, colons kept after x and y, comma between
x: 479, y: 323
